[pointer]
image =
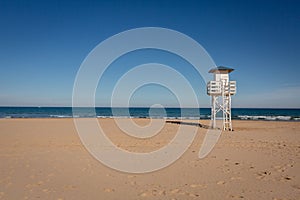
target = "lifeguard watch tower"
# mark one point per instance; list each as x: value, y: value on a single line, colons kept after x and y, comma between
x: 220, y: 90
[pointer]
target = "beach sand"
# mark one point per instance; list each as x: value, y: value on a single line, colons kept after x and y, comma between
x: 45, y: 159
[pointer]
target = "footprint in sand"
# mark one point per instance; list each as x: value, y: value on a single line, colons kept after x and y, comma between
x: 108, y: 190
x: 70, y: 187
x: 197, y: 186
x: 263, y: 175
x: 153, y: 192
x: 162, y: 192
x: 193, y: 195
x: 180, y: 192
x: 279, y: 168
x: 46, y: 190
x: 220, y: 182
x: 40, y: 183
x: 132, y: 183
x: 144, y: 194
x: 236, y: 196
x: 286, y: 178
x: 174, y: 191
x: 236, y: 178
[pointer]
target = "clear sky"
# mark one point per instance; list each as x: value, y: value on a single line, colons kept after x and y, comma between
x: 43, y: 43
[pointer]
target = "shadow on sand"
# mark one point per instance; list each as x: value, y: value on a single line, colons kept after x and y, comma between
x: 190, y: 124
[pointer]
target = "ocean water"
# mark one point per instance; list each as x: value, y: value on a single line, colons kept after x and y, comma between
x: 168, y: 113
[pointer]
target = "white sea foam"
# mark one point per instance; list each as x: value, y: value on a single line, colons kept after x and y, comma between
x: 264, y: 117
x: 61, y: 116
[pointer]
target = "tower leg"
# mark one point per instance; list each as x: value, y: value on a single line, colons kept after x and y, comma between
x: 213, y: 111
x: 227, y: 113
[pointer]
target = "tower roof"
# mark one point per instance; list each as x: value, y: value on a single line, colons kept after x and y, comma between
x: 220, y: 69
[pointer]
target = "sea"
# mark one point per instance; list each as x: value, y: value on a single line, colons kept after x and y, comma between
x: 266, y: 114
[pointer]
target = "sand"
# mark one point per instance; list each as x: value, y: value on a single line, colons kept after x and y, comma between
x: 45, y: 159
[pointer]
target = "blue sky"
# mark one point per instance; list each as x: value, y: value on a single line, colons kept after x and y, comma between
x: 43, y: 43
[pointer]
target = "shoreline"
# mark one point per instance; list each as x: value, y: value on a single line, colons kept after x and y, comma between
x: 172, y: 118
